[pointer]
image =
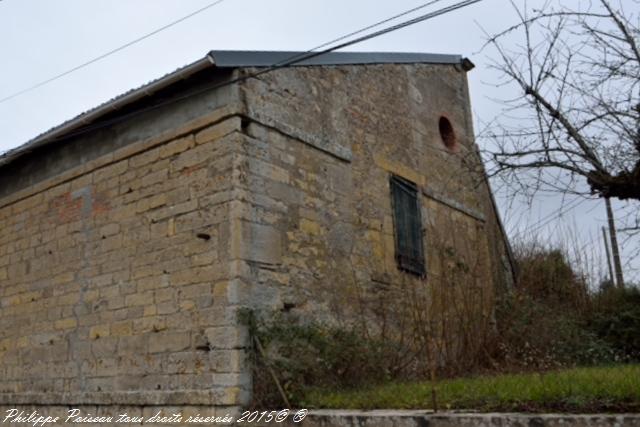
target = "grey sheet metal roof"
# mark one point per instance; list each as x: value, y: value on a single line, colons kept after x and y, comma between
x: 236, y: 58
x: 223, y: 59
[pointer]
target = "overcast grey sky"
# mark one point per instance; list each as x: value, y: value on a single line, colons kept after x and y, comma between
x: 42, y: 38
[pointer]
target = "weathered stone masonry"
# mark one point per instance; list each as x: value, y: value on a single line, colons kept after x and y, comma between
x: 118, y: 280
x: 122, y: 269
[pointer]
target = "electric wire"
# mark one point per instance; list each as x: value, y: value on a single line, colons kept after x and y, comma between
x: 111, y: 52
x: 369, y: 27
x: 295, y: 59
x: 549, y: 218
x: 282, y: 64
x: 312, y: 53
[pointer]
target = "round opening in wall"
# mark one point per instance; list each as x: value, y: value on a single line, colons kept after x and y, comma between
x: 446, y: 133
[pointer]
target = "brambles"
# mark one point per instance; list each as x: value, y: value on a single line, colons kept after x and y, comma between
x: 304, y: 355
x: 553, y: 320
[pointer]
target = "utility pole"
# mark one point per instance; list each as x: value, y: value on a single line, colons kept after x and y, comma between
x: 614, y: 245
x: 606, y: 248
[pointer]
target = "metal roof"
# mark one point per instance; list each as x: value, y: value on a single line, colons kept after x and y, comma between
x: 239, y: 58
x: 224, y: 59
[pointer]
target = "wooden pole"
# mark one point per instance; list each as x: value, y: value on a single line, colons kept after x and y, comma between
x: 614, y: 245
x: 606, y: 248
x: 272, y: 372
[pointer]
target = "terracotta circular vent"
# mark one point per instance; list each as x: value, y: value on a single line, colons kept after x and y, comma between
x: 446, y: 133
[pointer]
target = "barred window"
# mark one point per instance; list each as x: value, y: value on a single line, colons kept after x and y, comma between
x: 407, y: 226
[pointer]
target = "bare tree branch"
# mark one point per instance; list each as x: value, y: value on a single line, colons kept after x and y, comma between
x: 579, y: 72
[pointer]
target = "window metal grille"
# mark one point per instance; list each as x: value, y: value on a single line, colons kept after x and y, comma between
x: 407, y: 226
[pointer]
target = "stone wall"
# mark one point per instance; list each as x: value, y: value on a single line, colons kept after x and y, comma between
x: 115, y: 280
x: 321, y: 144
x: 121, y: 277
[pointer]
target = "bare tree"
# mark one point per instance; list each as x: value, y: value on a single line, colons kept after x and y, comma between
x: 577, y: 120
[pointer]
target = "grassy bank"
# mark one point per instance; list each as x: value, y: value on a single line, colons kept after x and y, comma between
x: 596, y: 389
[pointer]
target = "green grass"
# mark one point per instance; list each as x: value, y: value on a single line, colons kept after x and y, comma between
x: 611, y: 389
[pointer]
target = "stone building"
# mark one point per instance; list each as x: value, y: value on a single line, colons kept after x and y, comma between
x: 347, y: 185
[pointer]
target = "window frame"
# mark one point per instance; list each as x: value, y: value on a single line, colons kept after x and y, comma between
x: 408, y: 230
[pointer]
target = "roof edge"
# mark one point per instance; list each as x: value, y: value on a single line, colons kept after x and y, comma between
x: 242, y: 58
x: 229, y: 59
x: 107, y: 107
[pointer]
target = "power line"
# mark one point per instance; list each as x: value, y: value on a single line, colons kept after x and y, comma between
x: 295, y: 59
x: 111, y: 52
x: 549, y: 218
x: 311, y: 54
x: 369, y: 27
x: 554, y: 215
x: 49, y: 80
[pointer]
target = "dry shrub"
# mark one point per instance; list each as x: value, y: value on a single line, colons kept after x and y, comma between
x: 615, y: 318
x: 307, y: 354
x: 546, y: 275
x: 397, y: 329
x: 547, y: 320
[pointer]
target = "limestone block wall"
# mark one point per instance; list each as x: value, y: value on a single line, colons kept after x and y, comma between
x: 321, y: 145
x: 121, y: 277
x: 115, y: 281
